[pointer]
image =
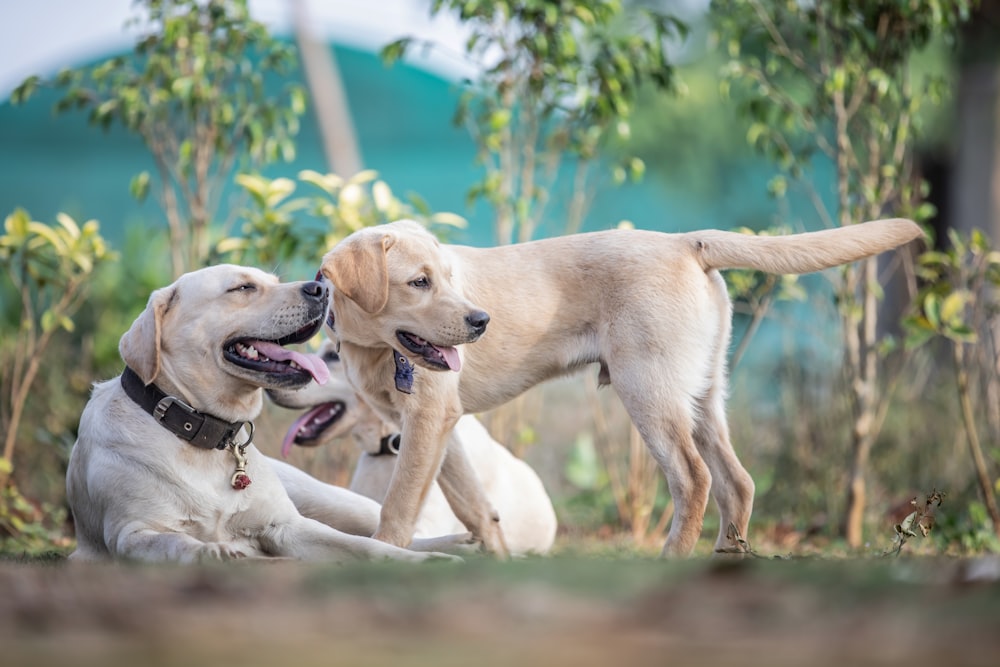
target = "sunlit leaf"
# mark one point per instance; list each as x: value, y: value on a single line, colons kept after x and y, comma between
x: 450, y: 219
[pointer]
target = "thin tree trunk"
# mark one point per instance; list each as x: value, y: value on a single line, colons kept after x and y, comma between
x: 333, y: 115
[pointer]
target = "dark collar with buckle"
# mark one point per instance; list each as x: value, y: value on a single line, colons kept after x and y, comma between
x: 200, y: 429
x: 389, y: 444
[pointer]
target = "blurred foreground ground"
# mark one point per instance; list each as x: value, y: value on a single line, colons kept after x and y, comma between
x: 553, y: 612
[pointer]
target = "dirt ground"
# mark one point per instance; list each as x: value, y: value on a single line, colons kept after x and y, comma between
x: 553, y: 611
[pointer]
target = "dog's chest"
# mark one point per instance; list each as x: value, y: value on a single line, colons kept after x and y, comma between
x: 211, y: 508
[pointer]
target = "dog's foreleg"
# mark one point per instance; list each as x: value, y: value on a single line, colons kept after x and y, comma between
x: 140, y: 542
x: 421, y: 451
x: 467, y: 498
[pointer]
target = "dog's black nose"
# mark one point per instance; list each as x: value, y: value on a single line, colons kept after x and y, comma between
x: 316, y: 290
x: 477, y: 321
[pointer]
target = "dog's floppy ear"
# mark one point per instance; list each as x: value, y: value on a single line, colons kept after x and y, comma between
x: 357, y: 268
x: 140, y: 345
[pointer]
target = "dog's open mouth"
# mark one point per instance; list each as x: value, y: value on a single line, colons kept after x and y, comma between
x: 307, y: 431
x: 272, y: 358
x: 443, y: 358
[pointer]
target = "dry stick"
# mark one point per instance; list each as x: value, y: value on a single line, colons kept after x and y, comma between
x: 758, y: 313
x: 34, y: 361
x: 602, y: 442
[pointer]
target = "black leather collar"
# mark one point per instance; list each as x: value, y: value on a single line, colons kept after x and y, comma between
x: 200, y: 429
x: 389, y: 444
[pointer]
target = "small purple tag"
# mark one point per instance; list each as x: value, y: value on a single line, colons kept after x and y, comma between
x: 404, y: 373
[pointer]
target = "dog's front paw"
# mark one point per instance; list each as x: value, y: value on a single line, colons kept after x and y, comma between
x: 462, y: 544
x: 440, y: 556
x: 219, y: 551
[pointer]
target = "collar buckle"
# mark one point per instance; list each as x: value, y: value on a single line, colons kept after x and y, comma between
x: 160, y: 411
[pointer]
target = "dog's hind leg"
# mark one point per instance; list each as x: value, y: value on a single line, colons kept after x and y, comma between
x: 666, y: 429
x: 732, y: 486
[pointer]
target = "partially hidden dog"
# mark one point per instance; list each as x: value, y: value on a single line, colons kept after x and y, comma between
x: 164, y: 467
x: 650, y: 309
x: 334, y: 410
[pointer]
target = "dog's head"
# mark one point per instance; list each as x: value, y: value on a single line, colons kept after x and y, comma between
x: 394, y: 286
x: 330, y: 411
x: 222, y: 330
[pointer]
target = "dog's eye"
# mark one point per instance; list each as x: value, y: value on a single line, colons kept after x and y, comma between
x: 330, y: 356
x: 422, y: 282
x: 245, y: 287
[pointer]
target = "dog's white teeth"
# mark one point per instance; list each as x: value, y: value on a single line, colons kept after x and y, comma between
x: 247, y: 351
x: 295, y: 365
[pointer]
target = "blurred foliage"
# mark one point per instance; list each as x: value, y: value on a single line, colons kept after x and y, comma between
x: 276, y: 231
x: 959, y: 296
x: 29, y: 529
x: 194, y: 91
x: 834, y: 79
x: 753, y: 293
x: 960, y: 303
x: 557, y: 80
x: 49, y: 268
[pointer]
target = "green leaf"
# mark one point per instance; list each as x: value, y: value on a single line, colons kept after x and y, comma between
x: 755, y: 132
x: 329, y: 183
x: 363, y: 176
x: 394, y: 51
x: 918, y: 333
x: 49, y: 235
x: 382, y: 196
x: 953, y: 307
x: 932, y: 310
x: 838, y: 81
x: 232, y: 244
x: 450, y: 219
x: 961, y: 333
x: 139, y: 186
x: 25, y: 90
x: 49, y: 320
x: 777, y: 187
x: 17, y: 223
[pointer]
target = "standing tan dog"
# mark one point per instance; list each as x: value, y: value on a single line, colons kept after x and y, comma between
x: 333, y: 410
x: 164, y: 468
x: 650, y: 308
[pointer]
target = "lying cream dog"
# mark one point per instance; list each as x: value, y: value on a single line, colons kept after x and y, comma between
x: 333, y: 410
x: 164, y: 468
x: 650, y: 309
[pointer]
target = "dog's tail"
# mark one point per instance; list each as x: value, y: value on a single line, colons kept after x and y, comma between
x: 801, y: 253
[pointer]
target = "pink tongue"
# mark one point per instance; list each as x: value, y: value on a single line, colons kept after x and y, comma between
x: 310, y: 362
x: 293, y: 430
x: 451, y: 357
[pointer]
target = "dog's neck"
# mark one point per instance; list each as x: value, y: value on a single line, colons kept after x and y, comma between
x: 373, y: 435
x: 227, y: 397
x: 174, y: 414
